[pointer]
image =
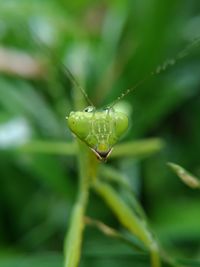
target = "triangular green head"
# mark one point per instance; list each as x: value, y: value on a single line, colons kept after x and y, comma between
x: 100, y: 130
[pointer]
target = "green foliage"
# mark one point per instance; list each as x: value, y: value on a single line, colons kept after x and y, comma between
x: 186, y: 177
x: 109, y: 46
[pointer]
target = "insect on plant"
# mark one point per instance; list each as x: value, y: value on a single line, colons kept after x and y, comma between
x: 100, y: 130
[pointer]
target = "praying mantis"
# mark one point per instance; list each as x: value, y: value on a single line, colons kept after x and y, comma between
x: 101, y: 130
x: 97, y: 132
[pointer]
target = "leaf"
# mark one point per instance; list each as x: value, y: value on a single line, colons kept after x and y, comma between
x: 186, y: 177
x: 140, y: 148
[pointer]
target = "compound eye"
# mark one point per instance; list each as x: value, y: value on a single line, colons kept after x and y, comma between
x: 89, y: 109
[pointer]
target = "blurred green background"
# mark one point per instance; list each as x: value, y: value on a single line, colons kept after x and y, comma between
x: 109, y: 46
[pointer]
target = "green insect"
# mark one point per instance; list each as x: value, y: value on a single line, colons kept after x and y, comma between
x: 102, y: 129
x: 99, y: 129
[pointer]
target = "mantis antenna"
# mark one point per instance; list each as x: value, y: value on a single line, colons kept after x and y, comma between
x: 66, y: 70
x: 101, y: 130
x: 76, y: 84
x: 161, y: 68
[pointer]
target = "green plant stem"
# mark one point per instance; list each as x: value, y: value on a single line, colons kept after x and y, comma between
x: 73, y: 240
x: 87, y: 169
x: 72, y: 247
x: 185, y: 176
x: 111, y: 175
x: 49, y: 147
x: 140, y: 148
x: 128, y: 219
x: 107, y: 230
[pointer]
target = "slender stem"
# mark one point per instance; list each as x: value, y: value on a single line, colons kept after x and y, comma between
x: 73, y: 240
x: 111, y: 232
x: 72, y: 247
x: 49, y: 147
x: 87, y: 169
x: 137, y: 149
x: 140, y: 148
x: 155, y: 256
x: 128, y: 219
x: 112, y: 175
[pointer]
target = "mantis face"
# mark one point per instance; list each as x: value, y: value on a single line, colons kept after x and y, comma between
x: 100, y: 130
